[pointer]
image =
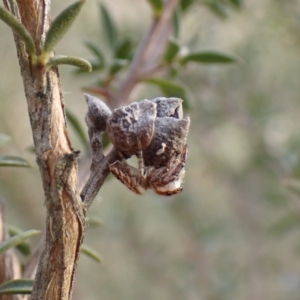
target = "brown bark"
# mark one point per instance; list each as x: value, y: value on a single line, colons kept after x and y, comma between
x: 56, y: 159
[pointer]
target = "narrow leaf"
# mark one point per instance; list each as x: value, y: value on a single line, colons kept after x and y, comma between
x: 124, y: 49
x: 91, y: 254
x: 17, y: 239
x: 218, y: 8
x: 117, y: 65
x: 24, y: 247
x: 77, y: 127
x: 4, y: 139
x: 97, y: 52
x: 209, y: 57
x: 18, y: 286
x: 69, y: 60
x: 13, y: 161
x: 94, y: 65
x: 157, y: 6
x: 172, y: 50
x: 109, y: 26
x: 60, y: 26
x: 16, y: 26
x: 177, y: 22
x: 185, y: 4
x: 236, y: 3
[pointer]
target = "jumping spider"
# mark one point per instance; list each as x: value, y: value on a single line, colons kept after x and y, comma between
x: 156, y: 132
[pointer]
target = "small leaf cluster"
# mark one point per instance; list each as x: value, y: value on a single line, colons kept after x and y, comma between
x: 18, y: 240
x: 57, y: 30
x: 121, y: 48
x: 175, y: 59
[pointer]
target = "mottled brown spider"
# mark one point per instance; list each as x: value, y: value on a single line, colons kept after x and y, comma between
x: 156, y: 132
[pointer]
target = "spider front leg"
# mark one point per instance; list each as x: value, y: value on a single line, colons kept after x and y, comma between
x: 129, y: 176
x: 134, y: 179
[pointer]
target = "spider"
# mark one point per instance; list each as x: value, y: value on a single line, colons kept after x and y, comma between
x: 166, y: 180
x: 156, y: 132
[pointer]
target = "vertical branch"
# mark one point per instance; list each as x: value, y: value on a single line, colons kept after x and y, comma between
x: 65, y: 220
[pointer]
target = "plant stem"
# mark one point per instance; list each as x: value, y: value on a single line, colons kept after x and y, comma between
x: 148, y: 53
x: 65, y: 222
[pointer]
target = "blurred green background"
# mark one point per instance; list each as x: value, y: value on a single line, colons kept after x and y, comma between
x: 233, y: 233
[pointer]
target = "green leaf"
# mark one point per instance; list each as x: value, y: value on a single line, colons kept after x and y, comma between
x: 18, y: 286
x: 109, y: 26
x: 170, y: 89
x: 19, y: 28
x: 4, y: 139
x: 69, y: 60
x: 77, y: 127
x: 218, y: 8
x: 286, y: 224
x: 95, y: 67
x: 24, y: 247
x: 91, y: 254
x: 124, y: 49
x: 13, y: 161
x: 17, y: 239
x: 97, y: 52
x: 173, y: 71
x: 236, y: 3
x: 177, y: 22
x: 185, y: 4
x: 95, y: 222
x: 209, y: 57
x: 172, y: 50
x: 60, y: 26
x: 117, y: 65
x: 157, y: 6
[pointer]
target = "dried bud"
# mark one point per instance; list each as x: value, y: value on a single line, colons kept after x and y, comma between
x: 98, y: 113
x: 131, y: 127
x: 169, y: 107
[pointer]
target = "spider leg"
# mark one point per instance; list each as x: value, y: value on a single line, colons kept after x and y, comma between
x: 128, y: 175
x: 181, y: 162
x: 141, y: 161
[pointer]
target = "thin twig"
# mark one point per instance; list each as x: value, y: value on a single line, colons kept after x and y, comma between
x: 97, y: 178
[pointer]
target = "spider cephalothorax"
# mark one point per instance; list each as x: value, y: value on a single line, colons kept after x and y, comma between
x: 156, y: 132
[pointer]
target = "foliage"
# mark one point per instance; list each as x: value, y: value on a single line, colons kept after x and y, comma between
x: 124, y: 49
